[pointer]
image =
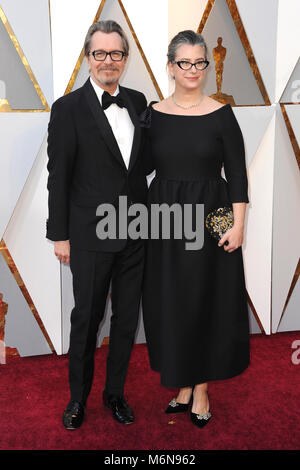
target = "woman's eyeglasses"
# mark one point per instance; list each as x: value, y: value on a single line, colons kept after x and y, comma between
x: 185, y: 65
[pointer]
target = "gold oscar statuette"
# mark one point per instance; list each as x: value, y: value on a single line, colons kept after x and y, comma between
x: 6, y: 350
x: 219, y: 54
x: 4, y: 104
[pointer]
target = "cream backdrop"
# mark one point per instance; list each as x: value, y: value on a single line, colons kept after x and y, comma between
x: 261, y: 73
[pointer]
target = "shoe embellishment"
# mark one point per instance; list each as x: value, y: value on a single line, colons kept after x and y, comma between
x: 205, y: 416
x: 173, y: 403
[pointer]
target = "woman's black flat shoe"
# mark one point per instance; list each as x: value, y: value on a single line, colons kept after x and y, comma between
x: 200, y: 420
x: 175, y: 407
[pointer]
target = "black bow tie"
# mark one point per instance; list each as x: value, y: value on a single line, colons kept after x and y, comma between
x: 108, y: 99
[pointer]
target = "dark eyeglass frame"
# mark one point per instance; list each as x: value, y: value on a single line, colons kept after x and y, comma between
x: 179, y: 62
x: 106, y: 54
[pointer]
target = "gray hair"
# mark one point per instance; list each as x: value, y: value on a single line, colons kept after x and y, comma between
x: 185, y: 37
x: 108, y: 26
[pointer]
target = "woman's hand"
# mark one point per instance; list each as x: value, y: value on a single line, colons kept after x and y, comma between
x: 235, y: 237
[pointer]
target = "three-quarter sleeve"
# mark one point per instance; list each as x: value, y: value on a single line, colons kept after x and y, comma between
x: 233, y: 156
x: 145, y: 123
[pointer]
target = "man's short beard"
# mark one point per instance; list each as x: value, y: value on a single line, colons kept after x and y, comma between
x: 112, y: 81
x: 108, y: 82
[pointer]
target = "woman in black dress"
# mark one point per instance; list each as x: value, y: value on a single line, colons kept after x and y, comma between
x: 194, y: 301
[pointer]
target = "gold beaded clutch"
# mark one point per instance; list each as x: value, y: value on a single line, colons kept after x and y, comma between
x: 219, y: 221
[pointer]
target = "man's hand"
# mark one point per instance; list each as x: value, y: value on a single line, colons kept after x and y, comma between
x: 62, y: 251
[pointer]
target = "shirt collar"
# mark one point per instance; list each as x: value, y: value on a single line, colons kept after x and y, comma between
x: 99, y: 91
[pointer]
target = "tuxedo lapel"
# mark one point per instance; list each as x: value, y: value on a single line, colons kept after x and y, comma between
x: 102, y: 121
x: 137, y: 129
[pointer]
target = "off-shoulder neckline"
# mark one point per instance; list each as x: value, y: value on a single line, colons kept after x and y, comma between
x: 187, y: 115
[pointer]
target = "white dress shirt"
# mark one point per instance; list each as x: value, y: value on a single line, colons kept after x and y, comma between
x: 120, y: 123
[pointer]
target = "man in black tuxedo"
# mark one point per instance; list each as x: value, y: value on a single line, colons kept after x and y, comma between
x: 94, y: 149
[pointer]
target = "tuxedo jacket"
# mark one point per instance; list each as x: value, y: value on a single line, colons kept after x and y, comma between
x: 86, y: 167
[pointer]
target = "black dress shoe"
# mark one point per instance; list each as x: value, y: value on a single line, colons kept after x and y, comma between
x: 200, y: 420
x: 73, y: 415
x: 121, y: 411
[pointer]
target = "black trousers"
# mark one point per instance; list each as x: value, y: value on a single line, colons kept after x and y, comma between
x: 92, y: 273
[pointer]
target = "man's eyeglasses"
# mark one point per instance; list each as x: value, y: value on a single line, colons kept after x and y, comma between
x: 116, y: 56
x: 185, y: 65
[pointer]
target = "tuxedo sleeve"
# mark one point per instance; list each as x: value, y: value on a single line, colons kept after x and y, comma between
x: 233, y: 156
x: 61, y: 155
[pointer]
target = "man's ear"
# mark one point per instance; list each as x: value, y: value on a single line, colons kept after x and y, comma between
x: 87, y: 58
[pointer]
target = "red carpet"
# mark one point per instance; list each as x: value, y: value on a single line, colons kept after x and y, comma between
x: 260, y: 409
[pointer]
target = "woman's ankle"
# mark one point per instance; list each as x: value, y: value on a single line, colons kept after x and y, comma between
x: 203, y: 387
x: 184, y: 394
